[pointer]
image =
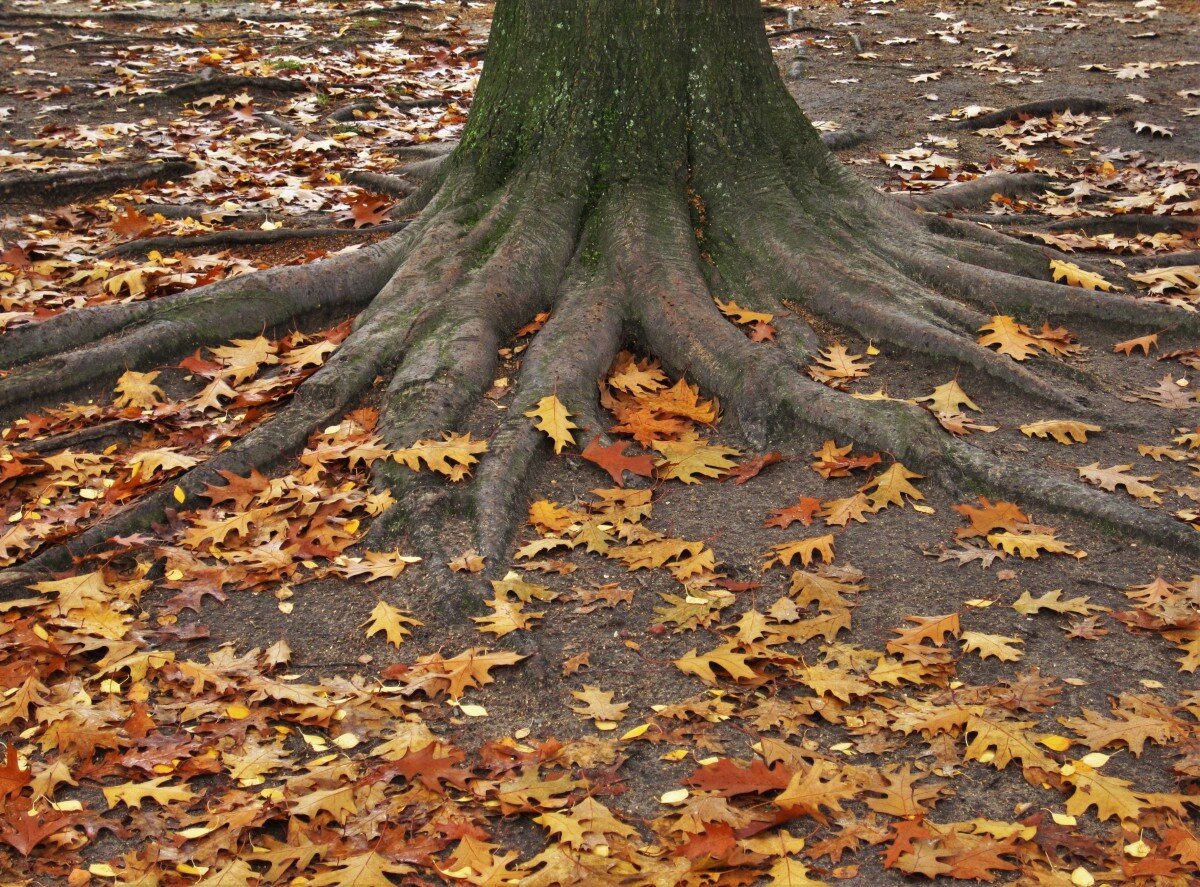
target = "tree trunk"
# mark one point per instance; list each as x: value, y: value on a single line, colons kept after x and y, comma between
x: 656, y: 90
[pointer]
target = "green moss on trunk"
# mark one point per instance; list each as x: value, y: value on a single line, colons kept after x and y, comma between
x: 632, y: 90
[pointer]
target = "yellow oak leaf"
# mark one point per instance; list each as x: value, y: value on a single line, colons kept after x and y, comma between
x: 1027, y: 604
x: 1065, y: 431
x: 805, y: 549
x: 738, y: 314
x: 554, y: 419
x: 835, y: 365
x: 392, y: 621
x: 892, y: 486
x: 132, y: 794
x: 949, y: 399
x: 452, y: 456
x: 725, y: 657
x: 692, y: 455
x: 994, y: 645
x: 1009, y: 337
x: 1073, y: 275
x: 242, y: 359
x: 1029, y: 545
x: 138, y: 390
x: 599, y: 706
x: 507, y: 617
x: 1119, y: 476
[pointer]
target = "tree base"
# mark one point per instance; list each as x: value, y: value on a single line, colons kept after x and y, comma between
x: 641, y: 265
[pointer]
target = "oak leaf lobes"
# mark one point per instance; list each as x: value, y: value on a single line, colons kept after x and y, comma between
x: 892, y: 487
x: 949, y: 398
x: 612, y: 459
x: 391, y: 621
x: 835, y: 366
x: 1109, y: 479
x: 998, y: 646
x: 744, y: 316
x: 1065, y: 431
x: 1009, y: 337
x: 138, y: 390
x: 805, y: 549
x: 598, y: 705
x: 690, y: 456
x: 1073, y: 275
x: 452, y: 456
x: 555, y: 420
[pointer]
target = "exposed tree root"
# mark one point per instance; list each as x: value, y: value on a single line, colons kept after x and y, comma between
x: 1042, y: 108
x: 1168, y: 260
x: 65, y: 352
x: 574, y: 350
x: 687, y: 331
x: 426, y: 151
x: 976, y: 192
x: 65, y: 441
x: 383, y: 183
x: 379, y: 339
x: 639, y: 260
x: 241, y: 237
x: 345, y: 114
x: 1130, y: 223
x: 844, y: 139
x: 75, y: 183
x: 202, y: 86
x: 321, y: 399
x: 989, y: 249
x: 870, y: 294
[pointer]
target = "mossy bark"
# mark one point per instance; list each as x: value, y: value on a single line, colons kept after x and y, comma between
x: 634, y: 90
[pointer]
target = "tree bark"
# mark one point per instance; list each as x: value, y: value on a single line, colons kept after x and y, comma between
x: 650, y: 90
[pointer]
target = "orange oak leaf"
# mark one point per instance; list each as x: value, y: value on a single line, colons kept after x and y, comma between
x: 612, y: 459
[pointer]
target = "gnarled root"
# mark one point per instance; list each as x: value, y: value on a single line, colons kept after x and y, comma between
x: 454, y: 357
x: 683, y: 327
x: 567, y: 357
x: 74, y: 183
x: 637, y: 262
x: 68, y: 351
x: 976, y: 192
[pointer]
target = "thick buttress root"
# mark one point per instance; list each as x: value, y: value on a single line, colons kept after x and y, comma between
x: 639, y: 264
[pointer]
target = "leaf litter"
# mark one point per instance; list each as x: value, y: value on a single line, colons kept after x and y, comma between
x: 719, y: 721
